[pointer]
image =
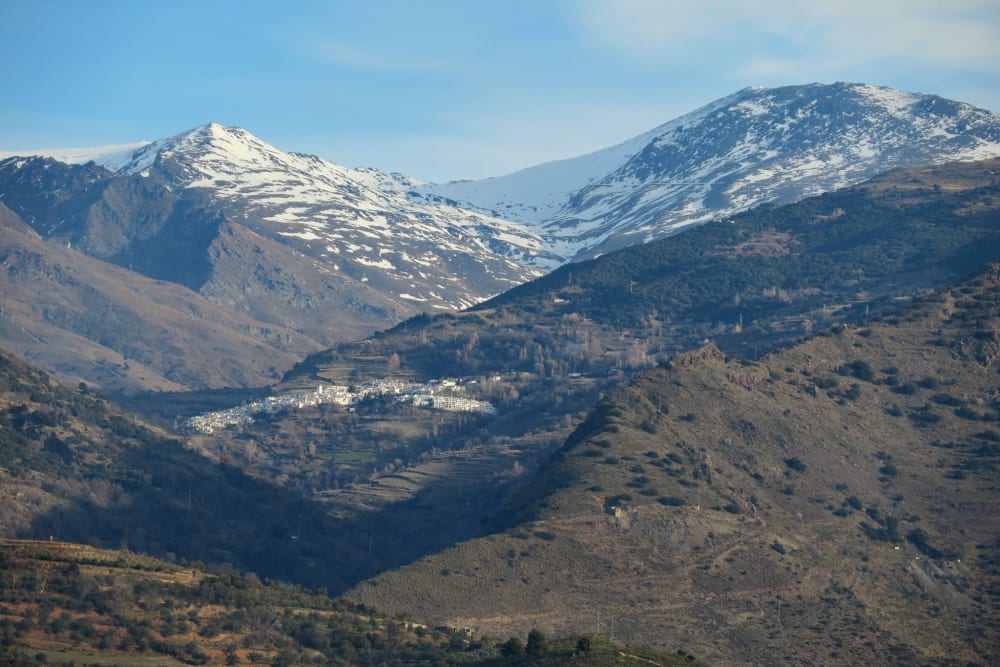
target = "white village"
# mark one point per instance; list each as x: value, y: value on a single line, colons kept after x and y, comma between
x: 434, y: 395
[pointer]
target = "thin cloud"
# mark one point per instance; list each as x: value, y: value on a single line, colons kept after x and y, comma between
x: 958, y: 34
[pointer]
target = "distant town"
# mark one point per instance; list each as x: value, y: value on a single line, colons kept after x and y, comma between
x: 435, y: 395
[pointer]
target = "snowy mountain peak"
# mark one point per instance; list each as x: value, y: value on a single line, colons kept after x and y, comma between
x: 227, y: 143
x: 753, y: 146
x: 756, y: 145
x: 362, y: 224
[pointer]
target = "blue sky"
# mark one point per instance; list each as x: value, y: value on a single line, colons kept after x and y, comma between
x: 444, y: 89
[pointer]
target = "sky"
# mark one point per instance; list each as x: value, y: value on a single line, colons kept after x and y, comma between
x: 453, y: 89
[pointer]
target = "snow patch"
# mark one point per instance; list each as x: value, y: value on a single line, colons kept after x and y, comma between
x: 378, y: 264
x: 307, y: 236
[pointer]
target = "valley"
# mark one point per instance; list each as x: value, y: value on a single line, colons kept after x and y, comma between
x: 258, y: 408
x: 408, y: 482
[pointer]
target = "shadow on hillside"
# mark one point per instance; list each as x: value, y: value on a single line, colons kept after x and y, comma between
x: 172, y: 503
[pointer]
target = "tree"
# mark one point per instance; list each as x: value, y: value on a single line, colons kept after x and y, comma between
x: 583, y: 645
x: 536, y: 642
x: 512, y: 647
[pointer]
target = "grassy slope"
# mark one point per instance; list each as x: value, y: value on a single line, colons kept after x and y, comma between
x: 782, y: 508
x: 74, y: 604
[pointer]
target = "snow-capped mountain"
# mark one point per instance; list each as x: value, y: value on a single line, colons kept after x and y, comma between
x: 757, y: 145
x: 287, y: 238
x: 334, y: 254
x: 357, y: 221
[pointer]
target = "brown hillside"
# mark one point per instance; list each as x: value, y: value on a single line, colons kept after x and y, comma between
x: 834, y: 503
x: 70, y: 604
x: 412, y: 482
x: 122, y: 332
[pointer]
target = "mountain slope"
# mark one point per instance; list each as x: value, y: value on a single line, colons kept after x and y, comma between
x: 418, y: 480
x: 833, y: 503
x: 758, y: 145
x: 298, y: 248
x: 74, y: 604
x: 358, y: 223
x: 296, y: 242
x: 76, y: 468
x: 122, y: 332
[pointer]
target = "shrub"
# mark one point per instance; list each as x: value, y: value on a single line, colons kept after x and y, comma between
x: 918, y: 538
x: 924, y: 417
x: 853, y: 393
x: 859, y: 369
x: 826, y: 383
x: 889, y: 470
x: 966, y: 413
x: 795, y: 464
x: 946, y: 399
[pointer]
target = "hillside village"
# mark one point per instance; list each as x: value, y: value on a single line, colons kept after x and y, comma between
x: 435, y: 395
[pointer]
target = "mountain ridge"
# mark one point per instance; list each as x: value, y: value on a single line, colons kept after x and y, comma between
x: 754, y: 146
x: 296, y: 242
x: 400, y: 483
x: 829, y: 502
x: 121, y: 332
